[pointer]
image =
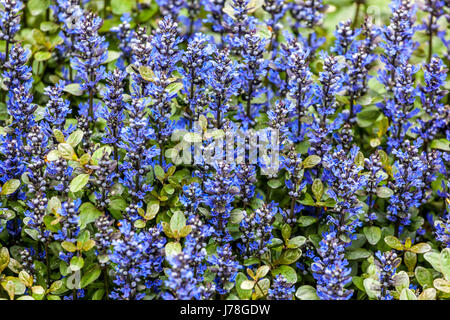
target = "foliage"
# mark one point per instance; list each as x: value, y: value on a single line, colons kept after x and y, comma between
x: 116, y: 117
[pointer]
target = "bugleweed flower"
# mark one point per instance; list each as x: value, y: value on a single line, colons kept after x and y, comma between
x: 139, y: 159
x: 291, y: 161
x: 215, y: 15
x: 185, y: 277
x: 240, y: 25
x: 18, y: 80
x: 408, y: 183
x: 330, y: 269
x: 277, y: 9
x: 344, y: 37
x: 104, y: 173
x: 171, y: 8
x: 401, y: 108
x: 224, y: 83
x: 26, y: 259
x: 331, y: 83
x: 257, y: 231
x: 298, y: 79
x: 70, y: 221
x: 375, y: 175
x: 431, y: 96
x: 343, y: 176
x: 12, y: 163
x: 196, y: 65
x: 113, y: 110
x: 56, y: 109
x: 9, y: 22
x: 164, y: 58
x: 307, y: 13
x: 125, y: 35
x: 387, y: 264
x: 252, y: 71
x: 39, y: 182
x: 397, y: 39
x: 103, y: 238
x: 279, y: 118
x: 246, y: 175
x: 225, y: 266
x: 137, y: 258
x: 442, y: 230
x: 67, y: 13
x: 281, y: 289
x: 91, y: 53
x: 220, y: 191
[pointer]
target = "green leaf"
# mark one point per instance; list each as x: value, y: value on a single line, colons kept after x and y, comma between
x: 75, y: 138
x: 120, y: 7
x: 174, y: 87
x: 98, y: 295
x: 36, y: 7
x: 66, y: 151
x: 99, y: 153
x: 159, y: 173
x: 286, y: 232
x: 424, y: 276
x: 178, y: 221
x: 10, y: 186
x: 311, y: 161
x: 441, y: 144
x: 401, y: 281
x: 55, y: 286
x: 373, y: 234
x: 358, y: 253
x: 73, y: 89
x: 420, y: 248
x: 442, y: 285
x: 445, y: 263
x: 434, y: 259
x: 247, y: 285
x: 4, y: 258
x: 59, y: 136
x: 274, y: 183
x: 112, y: 56
x: 407, y: 294
x: 146, y: 73
x: 288, y: 272
x: 79, y: 182
x: 262, y: 271
x: 90, y: 277
x: 88, y: 213
x: 290, y: 256
x: 384, y: 192
x: 69, y: 246
x: 317, y: 189
x: 76, y: 263
x: 42, y: 56
x: 48, y: 26
x: 394, y: 243
x: 172, y: 248
x: 372, y: 288
x: 262, y: 288
x: 244, y: 294
x: 152, y: 210
x: 306, y: 293
x: 296, y: 242
x: 305, y: 221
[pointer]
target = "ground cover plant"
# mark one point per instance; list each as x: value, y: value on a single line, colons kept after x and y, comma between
x: 239, y: 149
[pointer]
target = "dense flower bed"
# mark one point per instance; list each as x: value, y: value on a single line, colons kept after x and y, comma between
x: 212, y: 149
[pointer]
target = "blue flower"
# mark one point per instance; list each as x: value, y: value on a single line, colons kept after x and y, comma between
x: 331, y: 270
x: 281, y: 289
